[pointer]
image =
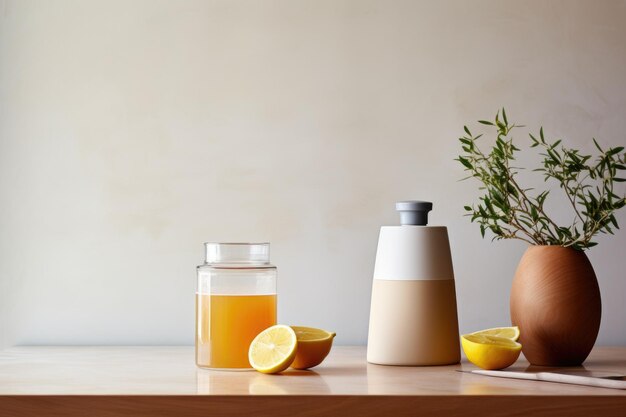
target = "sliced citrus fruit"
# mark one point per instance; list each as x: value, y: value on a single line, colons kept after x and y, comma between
x: 508, y: 332
x: 490, y: 352
x: 273, y: 350
x: 313, y: 346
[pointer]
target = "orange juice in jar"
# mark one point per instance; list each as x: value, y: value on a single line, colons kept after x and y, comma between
x: 235, y: 301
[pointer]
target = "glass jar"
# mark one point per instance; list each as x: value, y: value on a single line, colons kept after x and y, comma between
x: 235, y: 301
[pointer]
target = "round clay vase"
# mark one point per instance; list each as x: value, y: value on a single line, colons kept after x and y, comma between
x: 555, y: 301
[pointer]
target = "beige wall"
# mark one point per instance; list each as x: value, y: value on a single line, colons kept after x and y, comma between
x: 132, y: 131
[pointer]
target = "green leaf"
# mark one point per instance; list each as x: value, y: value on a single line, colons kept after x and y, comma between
x: 541, y: 198
x: 467, y: 130
x: 526, y: 223
x: 465, y: 162
x: 597, y: 146
x: 533, y: 213
x: 485, y: 122
x: 553, y: 155
x: 497, y: 195
x: 504, y: 116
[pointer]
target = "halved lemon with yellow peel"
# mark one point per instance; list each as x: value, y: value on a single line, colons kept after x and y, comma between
x: 313, y: 346
x: 490, y: 352
x: 273, y: 350
x: 508, y: 332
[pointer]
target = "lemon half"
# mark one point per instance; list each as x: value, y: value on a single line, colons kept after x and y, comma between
x: 273, y: 350
x: 508, y: 332
x: 490, y: 352
x: 313, y: 346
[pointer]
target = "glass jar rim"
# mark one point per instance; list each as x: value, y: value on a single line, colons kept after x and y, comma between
x: 237, y: 253
x: 236, y: 243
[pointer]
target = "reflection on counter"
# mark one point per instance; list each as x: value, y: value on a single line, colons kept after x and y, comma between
x: 290, y: 382
x: 422, y: 380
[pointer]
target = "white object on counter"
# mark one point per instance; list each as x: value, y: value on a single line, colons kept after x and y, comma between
x: 588, y: 378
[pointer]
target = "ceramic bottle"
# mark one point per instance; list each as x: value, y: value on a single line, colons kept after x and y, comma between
x: 413, y: 315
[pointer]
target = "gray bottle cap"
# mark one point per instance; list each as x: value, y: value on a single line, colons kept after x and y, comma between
x: 414, y: 213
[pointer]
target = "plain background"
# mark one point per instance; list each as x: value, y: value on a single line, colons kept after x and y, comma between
x: 133, y: 131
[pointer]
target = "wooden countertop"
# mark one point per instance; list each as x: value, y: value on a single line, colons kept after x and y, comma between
x: 164, y: 381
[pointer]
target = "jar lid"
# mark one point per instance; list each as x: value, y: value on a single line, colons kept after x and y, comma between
x: 237, y: 253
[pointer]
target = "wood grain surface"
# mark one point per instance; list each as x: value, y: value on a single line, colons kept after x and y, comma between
x: 309, y: 406
x: 163, y: 381
x: 555, y: 301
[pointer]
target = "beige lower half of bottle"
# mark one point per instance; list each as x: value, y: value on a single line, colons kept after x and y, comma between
x: 413, y: 322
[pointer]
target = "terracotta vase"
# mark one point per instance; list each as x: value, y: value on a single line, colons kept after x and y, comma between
x: 555, y: 301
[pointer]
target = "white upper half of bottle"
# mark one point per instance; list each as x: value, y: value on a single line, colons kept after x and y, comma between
x: 413, y: 253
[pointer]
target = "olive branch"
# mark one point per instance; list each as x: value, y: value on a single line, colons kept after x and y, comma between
x: 510, y: 211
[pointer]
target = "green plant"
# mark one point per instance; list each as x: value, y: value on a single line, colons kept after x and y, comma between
x: 511, y: 211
